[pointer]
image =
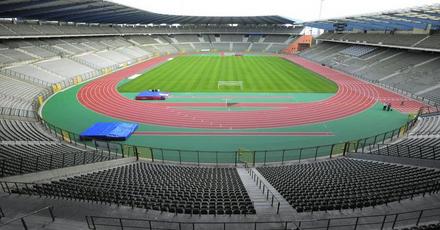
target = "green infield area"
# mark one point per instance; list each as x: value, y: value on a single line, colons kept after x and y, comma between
x: 230, y: 74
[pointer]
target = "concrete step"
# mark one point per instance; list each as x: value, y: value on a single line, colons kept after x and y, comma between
x: 261, y: 204
x: 285, y: 207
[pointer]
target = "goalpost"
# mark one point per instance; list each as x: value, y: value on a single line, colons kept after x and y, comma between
x: 230, y: 83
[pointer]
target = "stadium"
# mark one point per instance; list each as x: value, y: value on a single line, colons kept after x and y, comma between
x: 113, y: 117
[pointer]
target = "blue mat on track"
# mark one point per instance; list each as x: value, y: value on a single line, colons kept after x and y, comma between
x: 149, y: 95
x: 110, y: 131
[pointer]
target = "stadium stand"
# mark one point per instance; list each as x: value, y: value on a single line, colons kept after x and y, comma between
x: 35, y: 55
x: 258, y: 47
x: 166, y: 188
x: 17, y: 130
x: 427, y: 125
x: 18, y: 89
x: 25, y: 158
x: 240, y: 47
x: 403, y: 40
x: 357, y: 51
x: 433, y: 95
x: 328, y: 185
x: 432, y: 41
x: 64, y: 67
x: 420, y: 148
x: 276, y: 39
x: 186, y: 38
x: 221, y: 46
x: 412, y: 71
x: 420, y: 141
x: 231, y: 38
x: 8, y: 101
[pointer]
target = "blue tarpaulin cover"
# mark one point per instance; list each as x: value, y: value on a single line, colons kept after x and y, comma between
x: 109, y: 131
x: 150, y: 95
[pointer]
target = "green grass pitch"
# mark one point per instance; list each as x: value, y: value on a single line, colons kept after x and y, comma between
x: 258, y: 74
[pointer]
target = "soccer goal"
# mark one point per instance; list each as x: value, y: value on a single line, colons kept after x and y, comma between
x: 230, y: 83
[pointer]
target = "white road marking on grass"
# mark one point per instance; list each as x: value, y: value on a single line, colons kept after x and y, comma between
x: 134, y: 76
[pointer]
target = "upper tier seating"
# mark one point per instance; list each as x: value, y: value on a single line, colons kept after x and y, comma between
x: 411, y: 147
x: 168, y: 188
x: 202, y: 46
x: 433, y: 41
x: 358, y: 51
x: 39, y: 51
x: 221, y: 46
x: 254, y: 38
x: 420, y: 141
x: 427, y: 125
x: 417, y: 78
x: 32, y: 157
x: 37, y: 72
x: 276, y: 38
x: 16, y: 130
x: 346, y: 183
x: 240, y: 47
x: 187, y: 38
x: 65, y: 67
x: 423, y: 227
x: 276, y: 48
x: 18, y: 89
x: 143, y: 39
x: 433, y: 95
x: 413, y: 71
x: 97, y: 61
x: 377, y: 38
x: 184, y: 47
x: 258, y: 47
x: 231, y: 38
x: 9, y: 101
x: 34, y: 29
x: 8, y: 56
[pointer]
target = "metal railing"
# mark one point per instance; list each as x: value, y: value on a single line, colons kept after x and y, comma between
x: 371, y: 222
x: 250, y: 157
x: 408, y: 94
x: 428, y: 110
x: 394, y: 89
x: 2, y: 214
x: 22, y: 220
x: 265, y: 189
x: 376, y: 82
x: 403, y: 150
x: 24, y: 77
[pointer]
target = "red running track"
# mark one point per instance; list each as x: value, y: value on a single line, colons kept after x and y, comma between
x: 353, y: 96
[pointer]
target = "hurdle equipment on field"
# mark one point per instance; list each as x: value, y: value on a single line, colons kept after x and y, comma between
x: 230, y: 83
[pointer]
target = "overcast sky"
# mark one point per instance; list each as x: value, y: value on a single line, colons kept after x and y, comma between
x: 304, y: 10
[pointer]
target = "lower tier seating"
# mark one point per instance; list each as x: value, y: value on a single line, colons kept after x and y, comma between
x: 167, y: 188
x: 348, y: 183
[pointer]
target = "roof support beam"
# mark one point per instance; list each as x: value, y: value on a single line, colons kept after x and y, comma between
x: 49, y: 9
x: 64, y: 12
x: 10, y: 7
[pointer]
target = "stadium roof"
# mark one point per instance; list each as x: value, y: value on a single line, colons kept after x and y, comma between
x: 426, y: 17
x: 98, y: 11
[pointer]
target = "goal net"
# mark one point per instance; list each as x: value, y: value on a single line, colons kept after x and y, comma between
x: 230, y: 83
